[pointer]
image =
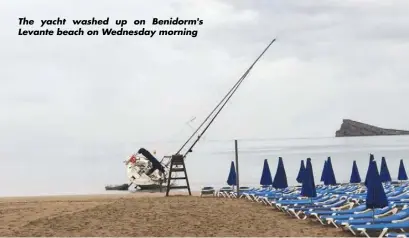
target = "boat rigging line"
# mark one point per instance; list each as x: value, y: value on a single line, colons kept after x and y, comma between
x: 220, y: 105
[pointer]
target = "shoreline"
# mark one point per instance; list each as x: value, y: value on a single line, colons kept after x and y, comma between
x: 100, y: 196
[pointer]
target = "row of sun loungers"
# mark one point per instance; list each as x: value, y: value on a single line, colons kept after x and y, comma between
x: 341, y: 206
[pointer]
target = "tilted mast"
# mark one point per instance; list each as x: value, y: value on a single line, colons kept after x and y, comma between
x: 178, y: 158
x: 221, y: 105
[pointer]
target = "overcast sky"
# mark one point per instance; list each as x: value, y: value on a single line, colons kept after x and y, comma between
x: 332, y: 60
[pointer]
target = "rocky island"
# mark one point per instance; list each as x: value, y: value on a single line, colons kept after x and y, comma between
x: 354, y: 128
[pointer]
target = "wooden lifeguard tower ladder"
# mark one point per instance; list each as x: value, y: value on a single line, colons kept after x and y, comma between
x: 177, y: 164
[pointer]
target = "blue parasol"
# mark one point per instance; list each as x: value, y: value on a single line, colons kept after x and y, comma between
x: 308, y: 184
x: 266, y: 179
x: 280, y: 179
x: 301, y: 172
x: 232, y: 179
x: 355, y: 177
x: 384, y: 174
x: 402, y: 171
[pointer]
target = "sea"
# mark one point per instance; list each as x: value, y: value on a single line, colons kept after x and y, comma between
x: 86, y: 169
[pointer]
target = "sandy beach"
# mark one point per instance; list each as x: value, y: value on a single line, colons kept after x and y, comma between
x: 148, y: 214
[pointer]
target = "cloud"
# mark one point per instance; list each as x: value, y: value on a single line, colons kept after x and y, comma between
x: 331, y: 60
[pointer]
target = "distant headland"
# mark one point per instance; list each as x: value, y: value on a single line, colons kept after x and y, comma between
x: 354, y: 128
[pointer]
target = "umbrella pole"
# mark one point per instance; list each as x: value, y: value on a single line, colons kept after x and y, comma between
x: 373, y: 215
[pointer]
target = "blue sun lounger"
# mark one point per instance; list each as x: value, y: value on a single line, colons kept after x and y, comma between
x: 315, y: 204
x: 320, y: 215
x: 254, y: 194
x: 345, y: 191
x: 399, y: 215
x: 360, y: 215
x: 390, y: 194
x: 301, y: 201
x: 223, y: 191
x: 278, y: 197
x: 272, y: 194
x: 404, y: 214
x: 273, y: 200
x: 400, y: 203
x: 382, y: 227
x: 297, y: 211
x: 397, y: 235
x: 399, y: 198
x: 234, y: 194
x: 313, y: 212
x: 287, y: 196
x: 291, y: 197
x: 323, y: 207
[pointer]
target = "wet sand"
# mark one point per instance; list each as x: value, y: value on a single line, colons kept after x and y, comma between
x: 142, y: 214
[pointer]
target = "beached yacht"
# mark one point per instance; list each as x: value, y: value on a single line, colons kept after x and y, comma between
x: 144, y: 171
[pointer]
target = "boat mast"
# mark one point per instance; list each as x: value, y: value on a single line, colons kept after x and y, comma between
x: 221, y: 105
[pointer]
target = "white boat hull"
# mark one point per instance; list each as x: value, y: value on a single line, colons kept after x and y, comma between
x: 137, y: 173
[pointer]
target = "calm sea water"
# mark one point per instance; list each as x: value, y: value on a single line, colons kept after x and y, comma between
x: 86, y: 169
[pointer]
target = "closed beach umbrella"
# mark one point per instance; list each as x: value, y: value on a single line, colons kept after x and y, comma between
x: 384, y: 174
x: 330, y: 175
x: 308, y: 184
x: 324, y: 170
x: 301, y: 172
x: 266, y: 179
x: 402, y: 171
x: 355, y: 177
x: 280, y: 179
x: 371, y: 158
x: 375, y: 196
x: 232, y: 179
